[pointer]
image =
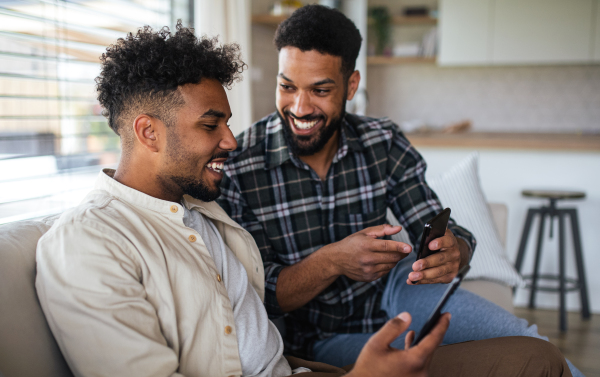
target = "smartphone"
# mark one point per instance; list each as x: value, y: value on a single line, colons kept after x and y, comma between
x: 434, y: 317
x: 434, y: 228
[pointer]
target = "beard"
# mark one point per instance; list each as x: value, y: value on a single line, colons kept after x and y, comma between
x: 196, y: 188
x: 185, y: 175
x: 301, y: 145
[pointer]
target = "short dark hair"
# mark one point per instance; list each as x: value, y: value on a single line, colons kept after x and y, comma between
x: 141, y: 72
x: 323, y: 29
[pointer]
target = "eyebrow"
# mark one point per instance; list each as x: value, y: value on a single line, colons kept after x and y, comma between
x: 214, y: 113
x: 322, y: 82
x: 285, y: 78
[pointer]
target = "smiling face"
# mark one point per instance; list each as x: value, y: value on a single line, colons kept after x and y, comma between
x: 311, y: 97
x: 197, y: 145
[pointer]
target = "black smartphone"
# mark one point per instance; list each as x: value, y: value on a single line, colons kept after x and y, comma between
x: 434, y: 317
x: 434, y: 228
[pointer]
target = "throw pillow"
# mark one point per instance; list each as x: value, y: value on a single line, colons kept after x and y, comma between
x: 459, y: 188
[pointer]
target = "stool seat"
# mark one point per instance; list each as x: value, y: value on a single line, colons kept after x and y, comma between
x: 554, y: 194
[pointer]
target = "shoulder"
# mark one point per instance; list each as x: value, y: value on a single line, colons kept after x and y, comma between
x: 376, y: 131
x: 251, y: 151
x: 255, y: 135
x: 99, y: 216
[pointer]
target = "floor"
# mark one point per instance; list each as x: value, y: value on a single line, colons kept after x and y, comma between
x: 581, y: 342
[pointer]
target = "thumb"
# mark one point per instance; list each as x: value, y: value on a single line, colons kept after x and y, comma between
x: 390, y: 331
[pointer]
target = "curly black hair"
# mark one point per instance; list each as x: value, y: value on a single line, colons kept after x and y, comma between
x: 326, y: 30
x: 141, y: 73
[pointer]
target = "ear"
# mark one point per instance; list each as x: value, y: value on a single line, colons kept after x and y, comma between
x: 353, y: 82
x: 146, y: 130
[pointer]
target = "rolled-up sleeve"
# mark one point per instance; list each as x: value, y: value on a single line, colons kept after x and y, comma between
x: 90, y: 288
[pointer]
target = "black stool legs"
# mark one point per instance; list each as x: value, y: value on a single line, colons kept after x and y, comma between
x: 585, y: 306
x: 575, y: 284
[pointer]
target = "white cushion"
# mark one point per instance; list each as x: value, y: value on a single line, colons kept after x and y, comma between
x: 459, y: 188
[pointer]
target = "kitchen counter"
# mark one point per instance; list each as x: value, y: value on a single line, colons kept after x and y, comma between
x: 499, y: 140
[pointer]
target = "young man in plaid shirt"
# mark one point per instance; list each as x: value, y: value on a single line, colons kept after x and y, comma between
x: 312, y: 184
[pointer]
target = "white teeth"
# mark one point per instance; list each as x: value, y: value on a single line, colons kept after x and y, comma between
x: 216, y: 166
x: 304, y: 125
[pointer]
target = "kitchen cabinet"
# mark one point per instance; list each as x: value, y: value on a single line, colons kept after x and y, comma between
x: 510, y: 32
x: 464, y: 32
x: 542, y: 31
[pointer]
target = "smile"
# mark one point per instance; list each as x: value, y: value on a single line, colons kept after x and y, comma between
x: 215, y: 166
x: 304, y: 125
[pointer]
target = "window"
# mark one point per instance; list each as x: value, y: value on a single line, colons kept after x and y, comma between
x: 53, y: 138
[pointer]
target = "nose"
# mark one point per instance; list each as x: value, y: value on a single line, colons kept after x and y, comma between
x: 228, y: 141
x: 302, y: 105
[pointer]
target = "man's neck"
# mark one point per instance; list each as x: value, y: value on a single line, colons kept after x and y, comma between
x: 144, y: 179
x: 321, y: 161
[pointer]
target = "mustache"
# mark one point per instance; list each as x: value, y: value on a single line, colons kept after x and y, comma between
x: 223, y: 154
x: 306, y: 118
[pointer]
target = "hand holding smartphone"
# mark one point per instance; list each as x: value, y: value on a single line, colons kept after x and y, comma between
x: 434, y: 228
x: 434, y: 317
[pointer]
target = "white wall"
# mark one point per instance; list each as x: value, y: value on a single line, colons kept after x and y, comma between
x: 496, y: 99
x: 505, y: 173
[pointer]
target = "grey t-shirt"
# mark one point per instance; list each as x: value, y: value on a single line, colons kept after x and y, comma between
x: 260, y: 345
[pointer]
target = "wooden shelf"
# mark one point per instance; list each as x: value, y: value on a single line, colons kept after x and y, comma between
x: 500, y: 140
x: 403, y: 20
x: 268, y: 19
x: 420, y: 20
x: 394, y: 60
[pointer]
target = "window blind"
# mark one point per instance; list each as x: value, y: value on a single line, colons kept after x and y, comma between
x: 53, y: 138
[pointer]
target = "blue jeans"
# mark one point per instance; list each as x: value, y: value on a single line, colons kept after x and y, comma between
x: 473, y: 318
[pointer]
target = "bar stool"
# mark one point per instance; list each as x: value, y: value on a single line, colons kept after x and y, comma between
x: 573, y: 284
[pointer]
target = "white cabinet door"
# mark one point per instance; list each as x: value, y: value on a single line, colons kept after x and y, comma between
x: 542, y: 31
x: 465, y: 32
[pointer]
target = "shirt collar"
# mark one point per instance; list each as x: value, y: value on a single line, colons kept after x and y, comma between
x: 277, y: 151
x: 106, y: 182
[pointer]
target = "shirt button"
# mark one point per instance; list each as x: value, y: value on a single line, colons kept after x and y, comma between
x: 174, y: 208
x: 218, y: 277
x: 192, y: 238
x: 227, y: 330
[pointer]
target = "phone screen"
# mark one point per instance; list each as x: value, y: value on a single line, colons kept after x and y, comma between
x: 434, y: 317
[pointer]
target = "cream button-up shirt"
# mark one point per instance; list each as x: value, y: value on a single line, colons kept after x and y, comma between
x: 129, y: 290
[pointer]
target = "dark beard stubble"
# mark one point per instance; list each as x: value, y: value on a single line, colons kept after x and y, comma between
x: 297, y: 143
x: 189, y: 184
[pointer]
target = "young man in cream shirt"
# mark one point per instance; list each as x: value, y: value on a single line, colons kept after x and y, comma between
x: 148, y: 276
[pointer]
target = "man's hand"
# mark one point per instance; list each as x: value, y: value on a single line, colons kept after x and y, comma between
x: 442, y: 266
x: 360, y: 256
x: 363, y: 257
x: 377, y: 358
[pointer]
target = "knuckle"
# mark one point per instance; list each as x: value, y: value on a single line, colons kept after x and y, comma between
x: 362, y: 244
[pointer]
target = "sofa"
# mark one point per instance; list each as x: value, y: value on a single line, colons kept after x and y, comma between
x: 27, y: 347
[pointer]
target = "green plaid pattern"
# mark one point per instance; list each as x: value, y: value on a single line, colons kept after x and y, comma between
x: 291, y: 213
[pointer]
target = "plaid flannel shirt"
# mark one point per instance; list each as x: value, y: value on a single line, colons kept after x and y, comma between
x: 291, y: 213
